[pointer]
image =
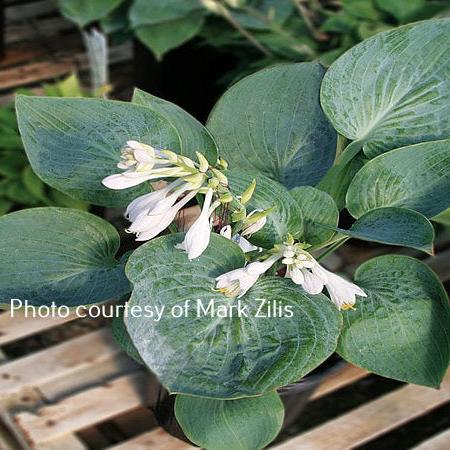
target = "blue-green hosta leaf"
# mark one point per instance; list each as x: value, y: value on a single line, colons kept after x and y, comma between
x: 61, y: 255
x: 123, y: 339
x: 194, y: 136
x: 73, y: 143
x: 244, y: 424
x: 162, y: 26
x: 286, y: 216
x: 272, y: 121
x: 269, y: 12
x: 229, y: 357
x: 443, y: 218
x: 401, y: 9
x: 83, y: 12
x: 153, y: 12
x: 394, y: 226
x: 393, y: 89
x: 415, y: 177
x: 317, y: 208
x: 401, y: 330
x: 164, y: 36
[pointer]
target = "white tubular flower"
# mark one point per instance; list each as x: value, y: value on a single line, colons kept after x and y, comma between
x: 226, y: 231
x: 237, y: 282
x: 304, y: 270
x: 147, y: 226
x: 342, y: 292
x: 142, y: 162
x: 245, y: 245
x: 197, y: 238
x: 256, y: 226
x: 147, y: 202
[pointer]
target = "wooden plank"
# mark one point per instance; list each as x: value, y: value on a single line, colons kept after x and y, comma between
x: 84, y: 409
x: 15, y: 56
x: 372, y: 419
x: 19, y: 326
x: 20, y: 13
x: 45, y: 70
x: 440, y: 441
x: 157, y: 439
x: 34, y: 72
x: 69, y: 442
x: 56, y: 363
x: 45, y: 28
x: 342, y: 378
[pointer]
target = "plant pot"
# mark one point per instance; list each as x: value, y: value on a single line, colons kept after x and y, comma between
x: 294, y: 396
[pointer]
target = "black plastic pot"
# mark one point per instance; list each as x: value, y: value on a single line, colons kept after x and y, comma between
x: 294, y: 396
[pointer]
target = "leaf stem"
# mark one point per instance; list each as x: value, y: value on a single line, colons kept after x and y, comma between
x: 234, y: 23
x: 293, y: 41
x: 333, y: 248
x: 349, y: 153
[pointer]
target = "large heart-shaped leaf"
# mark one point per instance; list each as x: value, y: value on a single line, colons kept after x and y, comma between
x: 59, y: 255
x: 164, y: 36
x: 193, y: 135
x: 123, y: 339
x: 162, y: 26
x: 83, y: 12
x: 393, y: 89
x: 317, y: 208
x: 286, y: 216
x: 272, y: 121
x: 152, y: 12
x: 244, y: 424
x: 394, y: 226
x: 228, y: 357
x: 415, y: 177
x: 73, y: 143
x: 401, y: 330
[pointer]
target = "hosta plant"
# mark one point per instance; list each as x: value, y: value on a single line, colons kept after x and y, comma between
x: 241, y: 304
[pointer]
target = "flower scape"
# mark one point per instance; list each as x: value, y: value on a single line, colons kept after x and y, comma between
x: 152, y: 213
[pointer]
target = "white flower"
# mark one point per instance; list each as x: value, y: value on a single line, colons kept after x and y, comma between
x: 226, y: 231
x: 142, y: 162
x: 197, y: 238
x: 256, y: 226
x: 147, y: 202
x: 237, y: 282
x: 304, y: 270
x: 342, y: 292
x: 245, y: 245
x: 148, y: 225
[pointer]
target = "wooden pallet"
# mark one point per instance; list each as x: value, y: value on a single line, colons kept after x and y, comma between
x: 54, y: 398
x: 57, y: 397
x: 40, y: 45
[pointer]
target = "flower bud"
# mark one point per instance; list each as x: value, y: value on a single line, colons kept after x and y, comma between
x: 226, y: 198
x: 195, y: 180
x: 238, y: 215
x: 172, y: 156
x: 220, y: 176
x: 223, y: 163
x: 213, y: 183
x: 204, y: 164
x: 248, y: 193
